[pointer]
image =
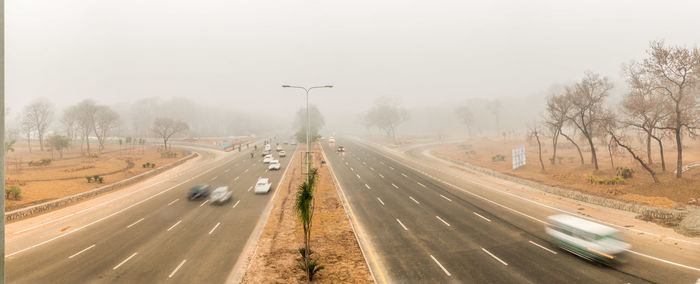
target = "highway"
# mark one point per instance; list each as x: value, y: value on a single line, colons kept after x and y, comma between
x: 150, y: 233
x: 425, y: 226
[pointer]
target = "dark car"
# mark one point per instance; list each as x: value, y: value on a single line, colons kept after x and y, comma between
x: 199, y: 191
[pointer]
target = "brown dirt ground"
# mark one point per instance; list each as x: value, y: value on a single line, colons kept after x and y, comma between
x: 571, y: 174
x: 65, y: 177
x: 333, y: 240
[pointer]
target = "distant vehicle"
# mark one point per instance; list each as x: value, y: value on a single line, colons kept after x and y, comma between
x: 587, y: 239
x: 265, y: 153
x: 274, y: 165
x: 199, y: 191
x: 286, y: 142
x: 263, y: 185
x: 220, y: 195
x: 294, y: 142
x: 341, y: 149
x: 279, y: 148
x: 268, y: 147
x: 331, y: 140
x: 283, y: 154
x: 267, y: 159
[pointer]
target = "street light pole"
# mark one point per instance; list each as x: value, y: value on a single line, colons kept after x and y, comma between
x: 308, y: 122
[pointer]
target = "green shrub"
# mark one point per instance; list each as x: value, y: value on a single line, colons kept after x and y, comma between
x: 42, y: 162
x: 611, y: 181
x: 13, y: 192
x: 89, y: 179
x: 153, y: 165
x: 625, y: 172
x: 498, y: 158
x: 100, y: 179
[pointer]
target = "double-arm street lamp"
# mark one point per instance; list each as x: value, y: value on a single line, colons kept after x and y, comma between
x: 308, y: 122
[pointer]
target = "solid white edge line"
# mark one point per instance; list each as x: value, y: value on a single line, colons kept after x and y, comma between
x: 205, y: 202
x: 217, y: 225
x: 542, y: 247
x: 554, y: 208
x: 504, y: 263
x: 482, y: 217
x: 173, y: 226
x: 380, y: 200
x: 438, y: 263
x: 171, y: 202
x: 234, y: 205
x: 77, y: 253
x: 124, y: 261
x: 134, y: 223
x: 416, y: 201
x: 177, y: 268
x: 402, y: 225
x: 445, y: 197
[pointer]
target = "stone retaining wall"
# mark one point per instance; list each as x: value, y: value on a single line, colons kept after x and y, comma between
x: 61, y: 202
x: 646, y: 212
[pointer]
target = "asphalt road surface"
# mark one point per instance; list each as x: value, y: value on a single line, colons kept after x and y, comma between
x: 150, y: 235
x: 422, y: 230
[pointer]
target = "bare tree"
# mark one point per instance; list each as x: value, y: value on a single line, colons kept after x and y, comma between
x: 465, y: 113
x: 105, y: 120
x: 556, y: 118
x: 27, y: 128
x: 587, y: 97
x: 674, y: 74
x: 610, y: 125
x: 69, y: 119
x: 535, y: 133
x: 39, y: 114
x: 167, y: 127
x: 495, y: 108
x: 386, y: 114
x: 644, y: 110
x: 86, y: 111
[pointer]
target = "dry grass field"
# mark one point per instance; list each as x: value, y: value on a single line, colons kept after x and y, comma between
x: 569, y: 173
x: 67, y: 176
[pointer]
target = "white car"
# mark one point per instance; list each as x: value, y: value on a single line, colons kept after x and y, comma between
x: 220, y: 195
x: 263, y: 185
x: 331, y: 140
x: 267, y: 159
x: 274, y: 165
x: 283, y: 154
x: 279, y: 148
x: 268, y: 147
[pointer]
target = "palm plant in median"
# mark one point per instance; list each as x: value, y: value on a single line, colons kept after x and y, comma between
x: 305, y: 210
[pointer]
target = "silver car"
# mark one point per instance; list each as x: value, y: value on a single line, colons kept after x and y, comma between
x: 220, y: 195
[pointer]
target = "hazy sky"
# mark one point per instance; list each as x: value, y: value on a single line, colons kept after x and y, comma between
x: 237, y: 53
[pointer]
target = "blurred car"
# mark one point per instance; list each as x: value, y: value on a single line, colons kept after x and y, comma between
x: 267, y: 159
x: 279, y: 148
x: 265, y: 153
x: 220, y: 195
x: 274, y: 165
x: 286, y: 142
x: 587, y: 239
x: 294, y: 142
x: 268, y: 147
x: 199, y: 191
x: 263, y: 185
x: 341, y: 148
x: 283, y: 154
x: 331, y: 140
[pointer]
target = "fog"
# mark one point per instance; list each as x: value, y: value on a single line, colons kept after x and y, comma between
x: 220, y: 65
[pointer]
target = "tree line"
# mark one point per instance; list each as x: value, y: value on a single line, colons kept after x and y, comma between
x: 662, y: 100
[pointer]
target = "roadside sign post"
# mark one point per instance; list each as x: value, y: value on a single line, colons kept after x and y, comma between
x: 518, y: 157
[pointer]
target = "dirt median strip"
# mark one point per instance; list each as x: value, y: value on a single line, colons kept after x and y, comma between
x: 333, y: 240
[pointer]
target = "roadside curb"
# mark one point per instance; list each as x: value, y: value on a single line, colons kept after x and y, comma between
x: 353, y: 222
x: 65, y: 201
x: 665, y: 215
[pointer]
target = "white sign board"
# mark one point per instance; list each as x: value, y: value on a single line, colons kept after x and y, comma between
x: 518, y: 155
